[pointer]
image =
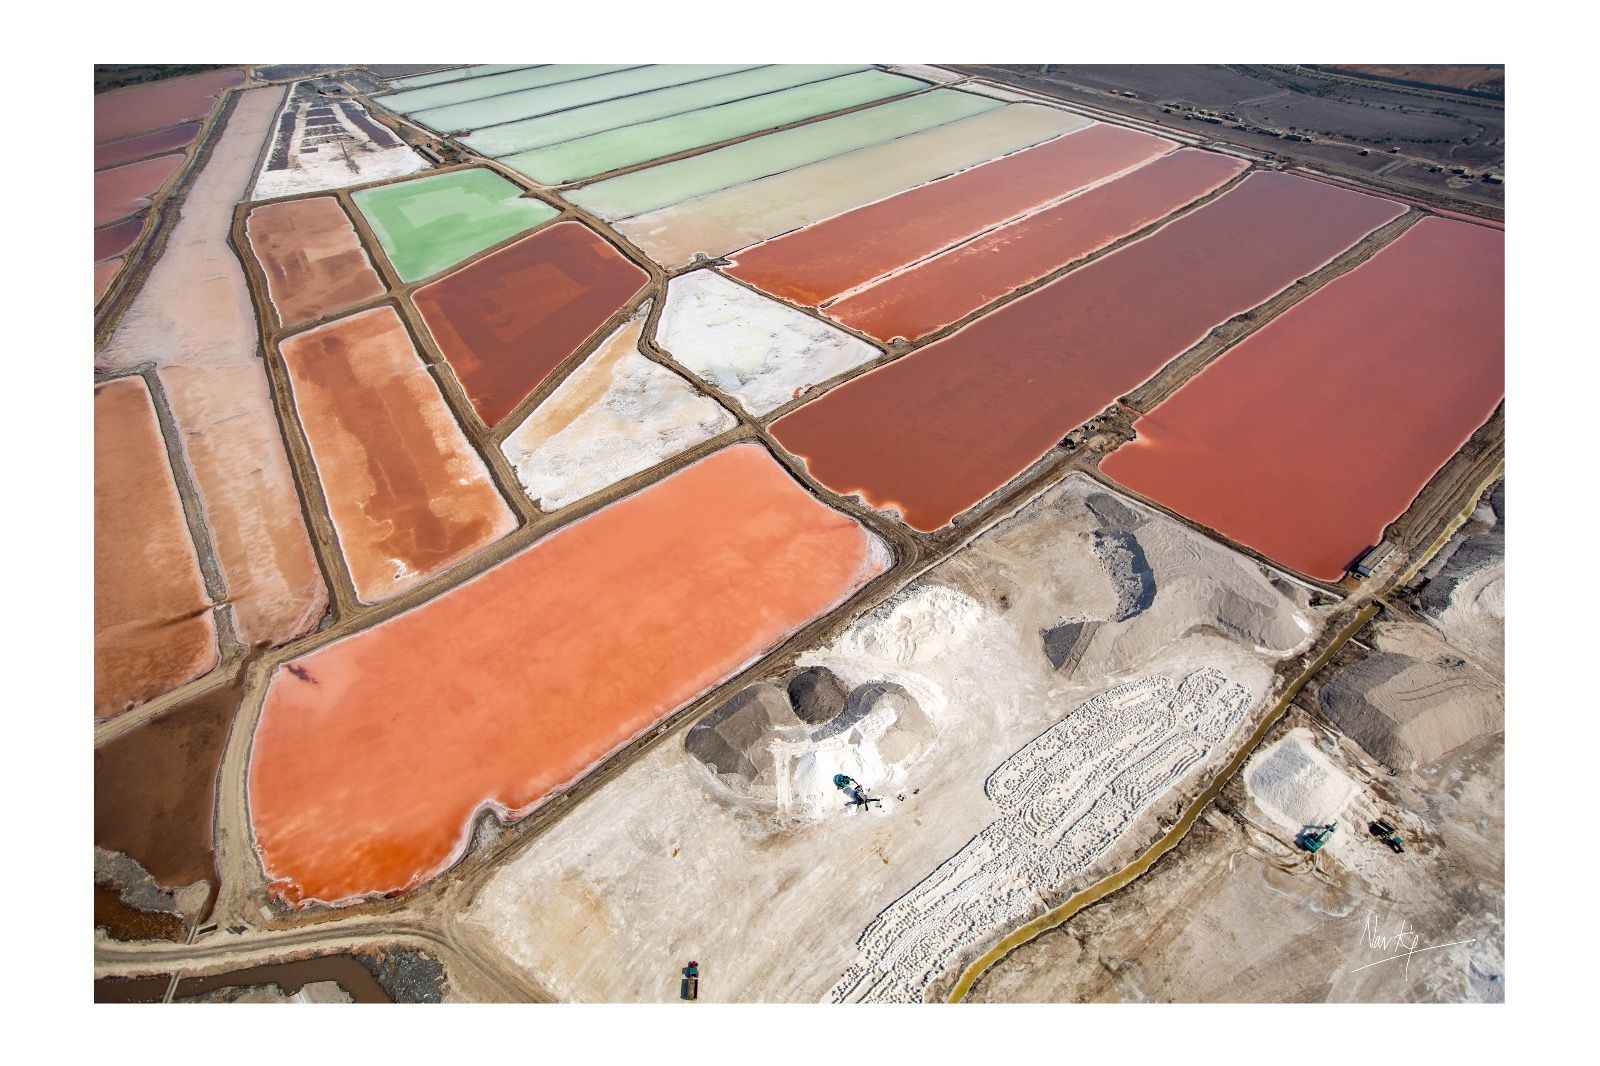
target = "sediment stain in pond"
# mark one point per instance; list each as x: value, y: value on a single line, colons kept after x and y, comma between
x: 813, y: 265
x: 514, y: 684
x: 407, y: 493
x: 429, y: 224
x: 153, y: 628
x: 134, y: 109
x: 950, y: 286
x: 1308, y: 438
x: 155, y: 789
x: 121, y: 191
x: 313, y: 260
x: 509, y: 319
x: 935, y: 432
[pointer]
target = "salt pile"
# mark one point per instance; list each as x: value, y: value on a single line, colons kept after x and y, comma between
x: 1296, y: 785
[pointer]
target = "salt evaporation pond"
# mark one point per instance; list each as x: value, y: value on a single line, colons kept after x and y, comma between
x: 407, y: 493
x: 509, y: 319
x: 430, y: 224
x: 153, y: 628
x: 372, y: 755
x: 1308, y: 438
x: 314, y: 262
x: 814, y: 265
x: 935, y: 432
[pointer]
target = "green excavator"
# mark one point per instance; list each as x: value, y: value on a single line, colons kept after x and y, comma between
x: 1312, y: 837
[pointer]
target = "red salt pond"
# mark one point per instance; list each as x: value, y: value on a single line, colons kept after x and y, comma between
x: 313, y: 260
x: 117, y: 238
x: 153, y: 628
x: 121, y: 191
x: 373, y: 754
x: 407, y: 493
x: 815, y: 264
x: 145, y: 145
x: 1307, y: 439
x: 122, y: 113
x: 935, y: 432
x: 947, y: 288
x: 507, y: 320
x: 104, y: 274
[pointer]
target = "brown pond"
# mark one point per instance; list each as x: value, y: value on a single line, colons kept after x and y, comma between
x: 155, y: 789
x: 122, y: 113
x: 144, y: 145
x: 408, y: 494
x: 507, y: 320
x: 153, y: 626
x: 935, y: 432
x: 947, y: 288
x: 290, y: 977
x: 373, y: 754
x: 313, y: 260
x: 1307, y: 439
x: 813, y: 265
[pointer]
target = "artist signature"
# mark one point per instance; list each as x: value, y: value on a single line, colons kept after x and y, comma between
x: 1402, y: 943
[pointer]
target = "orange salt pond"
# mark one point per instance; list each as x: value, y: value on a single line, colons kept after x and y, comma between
x: 935, y: 432
x: 313, y: 260
x: 813, y: 265
x: 407, y: 493
x: 950, y: 286
x: 153, y: 628
x: 1308, y: 438
x: 373, y: 754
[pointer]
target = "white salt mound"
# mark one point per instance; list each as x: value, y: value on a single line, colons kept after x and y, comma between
x: 1296, y: 785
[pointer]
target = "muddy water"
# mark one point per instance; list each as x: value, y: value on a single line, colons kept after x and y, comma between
x: 122, y: 113
x: 122, y: 922
x: 813, y: 265
x: 290, y: 977
x: 944, y: 289
x: 1311, y: 436
x: 373, y: 754
x: 408, y: 494
x: 935, y: 432
x: 144, y: 145
x: 153, y: 627
x: 507, y: 320
x: 739, y: 216
x: 313, y: 260
x: 120, y: 191
x: 154, y: 793
x: 193, y: 318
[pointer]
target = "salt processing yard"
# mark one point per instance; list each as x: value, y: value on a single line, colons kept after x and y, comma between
x: 537, y: 488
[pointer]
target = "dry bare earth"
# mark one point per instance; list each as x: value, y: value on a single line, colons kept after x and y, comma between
x: 1082, y: 595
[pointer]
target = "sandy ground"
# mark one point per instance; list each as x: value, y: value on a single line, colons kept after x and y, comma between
x: 751, y: 347
x: 1464, y: 594
x: 1081, y: 596
x: 617, y: 414
x: 1238, y: 914
x: 1411, y: 698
